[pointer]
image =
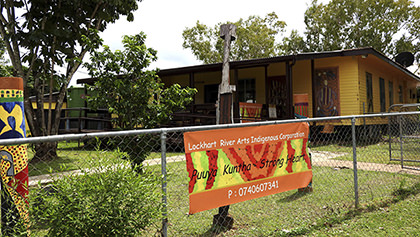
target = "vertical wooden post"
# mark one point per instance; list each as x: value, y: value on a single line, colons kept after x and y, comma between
x: 289, y: 86
x: 313, y: 88
x: 236, y: 97
x: 192, y: 106
x: 228, y: 33
x: 14, y: 159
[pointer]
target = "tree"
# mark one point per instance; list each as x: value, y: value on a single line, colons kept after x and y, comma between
x: 130, y: 91
x: 256, y: 38
x: 47, y: 35
x: 5, y: 70
x: 390, y: 26
x: 135, y: 94
x: 293, y: 44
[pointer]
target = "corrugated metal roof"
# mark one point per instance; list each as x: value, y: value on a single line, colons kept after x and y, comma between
x: 265, y: 61
x: 285, y: 58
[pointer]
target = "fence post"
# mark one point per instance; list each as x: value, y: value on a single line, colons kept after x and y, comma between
x: 401, y: 140
x: 164, y: 193
x: 356, y: 185
x: 389, y: 138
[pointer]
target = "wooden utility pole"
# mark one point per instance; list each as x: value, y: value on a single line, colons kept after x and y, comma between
x: 224, y: 108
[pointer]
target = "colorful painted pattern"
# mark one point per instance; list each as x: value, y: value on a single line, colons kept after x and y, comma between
x: 327, y: 99
x: 264, y: 160
x: 250, y: 111
x: 11, y: 95
x: 14, y: 159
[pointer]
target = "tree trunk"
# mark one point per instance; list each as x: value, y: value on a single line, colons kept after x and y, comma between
x: 45, y: 151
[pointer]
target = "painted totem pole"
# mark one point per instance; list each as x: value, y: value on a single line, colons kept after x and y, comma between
x: 14, y: 158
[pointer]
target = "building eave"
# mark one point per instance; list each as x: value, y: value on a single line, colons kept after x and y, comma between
x: 261, y: 62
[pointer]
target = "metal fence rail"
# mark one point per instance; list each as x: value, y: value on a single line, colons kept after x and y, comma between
x: 356, y: 161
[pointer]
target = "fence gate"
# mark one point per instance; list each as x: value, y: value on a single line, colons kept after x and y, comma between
x: 404, y: 135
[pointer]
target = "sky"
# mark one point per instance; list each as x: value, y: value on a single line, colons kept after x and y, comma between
x: 163, y: 21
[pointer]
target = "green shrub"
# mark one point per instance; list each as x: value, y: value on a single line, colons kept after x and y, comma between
x: 135, y: 148
x: 12, y: 224
x: 108, y: 200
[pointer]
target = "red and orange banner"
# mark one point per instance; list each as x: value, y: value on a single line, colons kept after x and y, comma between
x: 237, y: 164
x: 250, y: 111
x: 301, y: 103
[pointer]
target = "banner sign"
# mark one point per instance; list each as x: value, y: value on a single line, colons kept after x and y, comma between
x: 237, y: 164
x: 301, y: 103
x: 250, y: 111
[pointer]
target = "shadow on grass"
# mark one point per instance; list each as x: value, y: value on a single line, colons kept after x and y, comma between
x: 214, y: 231
x: 399, y: 195
x: 295, y: 196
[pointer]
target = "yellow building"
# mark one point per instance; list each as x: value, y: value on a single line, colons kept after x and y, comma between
x: 335, y: 83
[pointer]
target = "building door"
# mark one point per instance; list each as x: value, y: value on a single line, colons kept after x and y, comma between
x: 327, y: 96
x: 278, y: 94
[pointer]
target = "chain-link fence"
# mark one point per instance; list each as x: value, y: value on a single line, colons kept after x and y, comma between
x: 93, y: 182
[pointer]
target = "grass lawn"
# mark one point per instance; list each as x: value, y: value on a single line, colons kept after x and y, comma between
x: 395, y: 218
x: 285, y: 213
x: 387, y: 200
x: 378, y: 152
x: 73, y: 157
